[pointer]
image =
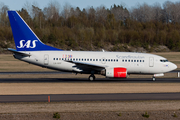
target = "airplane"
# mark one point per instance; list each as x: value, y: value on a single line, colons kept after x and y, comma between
x: 30, y: 49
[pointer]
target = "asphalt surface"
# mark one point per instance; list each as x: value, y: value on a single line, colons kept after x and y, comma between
x: 90, y: 97
x: 85, y: 80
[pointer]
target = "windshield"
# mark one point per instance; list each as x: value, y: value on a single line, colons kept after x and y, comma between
x: 163, y: 60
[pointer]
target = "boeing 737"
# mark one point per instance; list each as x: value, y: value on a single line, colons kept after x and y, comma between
x: 29, y: 48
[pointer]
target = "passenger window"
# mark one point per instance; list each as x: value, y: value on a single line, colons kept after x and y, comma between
x: 56, y: 58
x: 116, y: 60
x: 122, y: 60
x: 108, y: 59
x: 84, y: 59
x: 96, y: 59
x: 73, y: 59
x: 137, y: 60
x: 134, y: 60
x: 53, y: 58
x: 128, y: 60
x: 79, y: 59
x: 143, y: 60
x: 90, y: 59
x: 140, y: 60
x: 131, y: 60
x: 99, y: 59
x: 76, y: 59
x: 87, y: 59
x: 125, y: 60
x: 103, y: 60
x: 93, y: 59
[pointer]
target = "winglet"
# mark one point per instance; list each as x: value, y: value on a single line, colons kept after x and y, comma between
x: 25, y: 39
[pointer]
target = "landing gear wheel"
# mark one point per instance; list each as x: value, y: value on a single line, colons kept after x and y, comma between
x: 154, y: 79
x: 92, y: 77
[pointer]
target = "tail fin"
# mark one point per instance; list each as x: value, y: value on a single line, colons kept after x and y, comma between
x: 25, y: 39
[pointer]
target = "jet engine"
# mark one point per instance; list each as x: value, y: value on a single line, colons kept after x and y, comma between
x: 116, y: 72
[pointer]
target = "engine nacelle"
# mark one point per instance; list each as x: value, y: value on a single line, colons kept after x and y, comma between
x: 117, y: 72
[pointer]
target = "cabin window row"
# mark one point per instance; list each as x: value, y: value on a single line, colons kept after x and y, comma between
x: 132, y: 60
x: 78, y: 59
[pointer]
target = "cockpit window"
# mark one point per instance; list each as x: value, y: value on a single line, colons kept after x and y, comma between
x: 164, y: 60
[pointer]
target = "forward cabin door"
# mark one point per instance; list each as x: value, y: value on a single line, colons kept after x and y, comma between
x: 46, y: 59
x: 151, y: 61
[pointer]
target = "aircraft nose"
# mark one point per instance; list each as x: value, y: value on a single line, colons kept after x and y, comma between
x: 173, y: 66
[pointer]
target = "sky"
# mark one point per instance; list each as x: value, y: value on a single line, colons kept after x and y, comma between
x: 18, y: 4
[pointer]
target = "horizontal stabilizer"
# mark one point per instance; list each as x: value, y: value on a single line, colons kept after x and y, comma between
x: 18, y: 52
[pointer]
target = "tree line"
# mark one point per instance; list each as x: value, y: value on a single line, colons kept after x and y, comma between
x: 95, y: 28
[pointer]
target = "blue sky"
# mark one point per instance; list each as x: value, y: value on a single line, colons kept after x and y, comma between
x: 18, y: 4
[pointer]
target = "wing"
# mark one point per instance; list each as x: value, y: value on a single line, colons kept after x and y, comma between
x: 88, y: 66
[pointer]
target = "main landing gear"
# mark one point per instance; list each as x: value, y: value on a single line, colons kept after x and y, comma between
x: 154, y: 79
x: 92, y: 77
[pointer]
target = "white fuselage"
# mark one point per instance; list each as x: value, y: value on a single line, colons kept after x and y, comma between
x: 135, y: 63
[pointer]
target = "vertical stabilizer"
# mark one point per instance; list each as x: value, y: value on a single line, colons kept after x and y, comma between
x: 25, y: 39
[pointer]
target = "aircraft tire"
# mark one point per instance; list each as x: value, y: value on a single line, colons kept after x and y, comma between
x: 92, y: 77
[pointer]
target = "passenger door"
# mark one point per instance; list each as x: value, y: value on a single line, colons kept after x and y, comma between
x: 151, y: 61
x: 46, y: 59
